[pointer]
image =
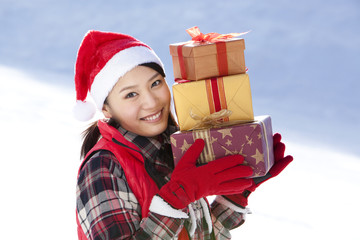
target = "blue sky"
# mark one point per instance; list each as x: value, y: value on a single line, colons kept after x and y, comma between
x: 303, y: 57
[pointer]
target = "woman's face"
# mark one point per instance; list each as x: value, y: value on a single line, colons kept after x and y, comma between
x: 140, y: 102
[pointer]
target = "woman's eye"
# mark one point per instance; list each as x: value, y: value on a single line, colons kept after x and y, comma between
x: 156, y: 83
x: 130, y: 95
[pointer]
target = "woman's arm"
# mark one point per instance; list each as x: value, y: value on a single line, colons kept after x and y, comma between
x: 226, y: 217
x: 107, y: 208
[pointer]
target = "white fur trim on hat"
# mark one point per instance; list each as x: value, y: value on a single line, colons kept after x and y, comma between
x: 121, y: 63
x: 84, y: 111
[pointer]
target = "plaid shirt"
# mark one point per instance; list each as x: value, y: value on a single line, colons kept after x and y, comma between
x: 108, y: 209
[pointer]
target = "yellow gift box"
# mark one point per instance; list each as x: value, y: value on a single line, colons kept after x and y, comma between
x: 207, y: 103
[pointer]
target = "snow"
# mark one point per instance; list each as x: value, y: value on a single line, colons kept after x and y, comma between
x: 40, y: 146
x: 303, y: 62
x: 316, y: 197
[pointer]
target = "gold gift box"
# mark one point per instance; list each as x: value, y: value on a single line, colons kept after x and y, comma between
x: 201, y: 60
x: 198, y: 101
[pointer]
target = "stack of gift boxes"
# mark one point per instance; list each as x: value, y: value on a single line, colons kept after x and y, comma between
x: 212, y: 100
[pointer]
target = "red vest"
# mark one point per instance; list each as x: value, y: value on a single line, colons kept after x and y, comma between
x: 131, y: 160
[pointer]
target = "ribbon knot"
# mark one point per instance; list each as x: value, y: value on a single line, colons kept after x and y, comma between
x: 211, y: 120
x: 215, y: 120
x: 212, y: 37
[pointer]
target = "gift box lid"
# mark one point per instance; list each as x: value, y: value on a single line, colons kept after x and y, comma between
x: 195, y: 49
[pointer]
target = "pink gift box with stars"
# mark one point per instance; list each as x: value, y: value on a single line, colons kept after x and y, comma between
x: 253, y: 140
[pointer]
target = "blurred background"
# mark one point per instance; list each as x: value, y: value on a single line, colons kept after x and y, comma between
x: 303, y: 60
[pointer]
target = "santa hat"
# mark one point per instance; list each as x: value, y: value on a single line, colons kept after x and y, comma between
x: 103, y: 58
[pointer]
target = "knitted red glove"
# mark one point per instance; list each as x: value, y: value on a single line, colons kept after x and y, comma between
x: 280, y: 163
x: 189, y: 182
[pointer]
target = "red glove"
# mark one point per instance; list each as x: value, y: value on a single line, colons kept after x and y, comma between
x: 189, y: 182
x: 280, y: 163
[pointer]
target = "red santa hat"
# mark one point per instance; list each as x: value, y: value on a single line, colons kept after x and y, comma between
x: 103, y: 58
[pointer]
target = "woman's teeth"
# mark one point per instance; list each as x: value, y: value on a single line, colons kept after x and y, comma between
x: 153, y: 117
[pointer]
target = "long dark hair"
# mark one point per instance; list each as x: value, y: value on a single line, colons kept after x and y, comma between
x: 92, y: 134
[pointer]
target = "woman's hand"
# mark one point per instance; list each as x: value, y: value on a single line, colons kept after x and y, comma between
x: 280, y: 163
x: 188, y: 183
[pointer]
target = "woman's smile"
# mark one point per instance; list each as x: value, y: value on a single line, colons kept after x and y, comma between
x: 140, y: 102
x: 153, y: 117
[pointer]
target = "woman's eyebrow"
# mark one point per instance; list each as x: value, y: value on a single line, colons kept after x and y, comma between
x: 133, y: 86
x: 126, y: 88
x: 154, y: 76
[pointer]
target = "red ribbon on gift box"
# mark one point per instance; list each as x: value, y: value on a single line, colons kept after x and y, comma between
x: 216, y: 97
x: 218, y: 39
x: 212, y: 37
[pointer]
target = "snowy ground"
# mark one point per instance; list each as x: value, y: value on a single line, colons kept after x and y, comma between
x: 303, y: 59
x: 315, y: 198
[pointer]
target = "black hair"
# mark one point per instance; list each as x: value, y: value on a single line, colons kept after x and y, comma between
x: 92, y: 134
x: 155, y: 67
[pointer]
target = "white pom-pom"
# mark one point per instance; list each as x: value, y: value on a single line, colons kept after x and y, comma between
x: 84, y: 111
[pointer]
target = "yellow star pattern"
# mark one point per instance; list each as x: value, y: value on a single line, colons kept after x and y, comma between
x: 225, y: 132
x: 227, y: 151
x: 185, y: 146
x: 241, y: 151
x: 259, y: 135
x: 213, y: 140
x: 228, y: 142
x: 249, y: 141
x: 259, y: 157
x: 173, y: 141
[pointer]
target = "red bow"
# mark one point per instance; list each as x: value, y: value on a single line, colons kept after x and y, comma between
x: 197, y: 36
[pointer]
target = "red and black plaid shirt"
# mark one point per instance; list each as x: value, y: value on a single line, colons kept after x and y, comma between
x: 108, y: 209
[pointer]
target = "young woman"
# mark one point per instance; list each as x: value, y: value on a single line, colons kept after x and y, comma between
x: 128, y: 187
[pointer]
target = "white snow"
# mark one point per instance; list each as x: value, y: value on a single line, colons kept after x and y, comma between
x: 40, y: 145
x: 303, y: 59
x: 316, y: 197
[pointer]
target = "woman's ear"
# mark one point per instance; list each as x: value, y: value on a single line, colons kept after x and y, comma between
x: 106, y: 110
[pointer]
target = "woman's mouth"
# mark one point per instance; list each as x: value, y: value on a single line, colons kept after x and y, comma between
x: 153, y: 118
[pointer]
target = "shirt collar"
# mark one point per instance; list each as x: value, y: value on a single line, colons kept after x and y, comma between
x: 149, y: 146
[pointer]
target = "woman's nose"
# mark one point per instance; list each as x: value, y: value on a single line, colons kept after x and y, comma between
x: 149, y: 100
